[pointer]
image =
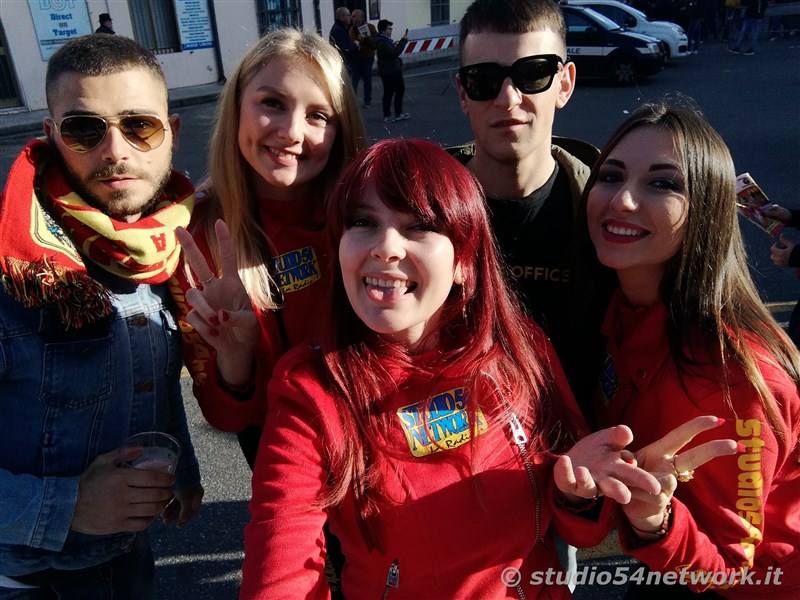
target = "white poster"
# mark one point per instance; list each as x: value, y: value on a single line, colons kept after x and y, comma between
x: 194, y: 24
x: 57, y: 22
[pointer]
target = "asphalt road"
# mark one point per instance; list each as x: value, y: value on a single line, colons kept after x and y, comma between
x: 751, y: 100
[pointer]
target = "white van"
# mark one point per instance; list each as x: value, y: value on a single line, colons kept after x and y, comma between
x: 673, y: 37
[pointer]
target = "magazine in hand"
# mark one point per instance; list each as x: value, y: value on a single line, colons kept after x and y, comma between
x: 751, y: 199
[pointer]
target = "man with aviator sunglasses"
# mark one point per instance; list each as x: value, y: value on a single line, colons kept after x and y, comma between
x: 89, y: 349
x: 514, y: 75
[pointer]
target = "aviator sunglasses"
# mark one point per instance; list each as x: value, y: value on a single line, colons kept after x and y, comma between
x: 530, y: 75
x: 81, y: 133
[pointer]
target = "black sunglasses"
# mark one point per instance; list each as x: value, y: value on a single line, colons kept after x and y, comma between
x: 530, y: 74
x: 81, y: 133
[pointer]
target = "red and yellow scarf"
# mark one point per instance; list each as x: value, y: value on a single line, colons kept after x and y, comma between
x: 45, y: 238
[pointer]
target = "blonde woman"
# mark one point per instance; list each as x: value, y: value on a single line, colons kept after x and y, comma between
x: 287, y: 125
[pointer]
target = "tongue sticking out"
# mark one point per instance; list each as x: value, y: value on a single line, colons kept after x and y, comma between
x: 387, y: 291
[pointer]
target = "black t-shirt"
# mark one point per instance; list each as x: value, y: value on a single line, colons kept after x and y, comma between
x: 533, y: 234
x: 541, y: 247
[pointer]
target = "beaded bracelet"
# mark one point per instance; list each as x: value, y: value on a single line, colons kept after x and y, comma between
x: 662, y: 529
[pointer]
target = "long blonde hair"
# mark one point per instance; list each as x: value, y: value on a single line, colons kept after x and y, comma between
x: 228, y: 184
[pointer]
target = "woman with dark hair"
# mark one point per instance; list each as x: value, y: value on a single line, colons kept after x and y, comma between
x: 425, y: 425
x: 688, y: 335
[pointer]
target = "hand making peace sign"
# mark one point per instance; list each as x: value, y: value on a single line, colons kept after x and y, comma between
x: 221, y: 310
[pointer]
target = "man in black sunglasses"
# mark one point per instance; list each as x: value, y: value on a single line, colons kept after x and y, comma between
x: 514, y: 75
x: 89, y: 350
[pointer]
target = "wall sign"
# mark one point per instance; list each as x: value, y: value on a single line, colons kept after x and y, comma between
x: 194, y: 24
x: 58, y: 21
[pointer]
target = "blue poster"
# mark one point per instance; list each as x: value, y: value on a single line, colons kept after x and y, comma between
x: 58, y: 21
x: 194, y: 24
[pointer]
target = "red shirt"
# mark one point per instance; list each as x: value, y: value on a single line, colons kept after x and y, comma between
x: 738, y: 511
x: 300, y: 261
x: 452, y: 533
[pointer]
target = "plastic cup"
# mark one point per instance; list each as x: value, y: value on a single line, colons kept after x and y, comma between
x: 160, y: 451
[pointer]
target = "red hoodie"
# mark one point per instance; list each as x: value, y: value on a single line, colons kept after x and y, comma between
x: 301, y: 266
x: 444, y: 532
x: 738, y: 511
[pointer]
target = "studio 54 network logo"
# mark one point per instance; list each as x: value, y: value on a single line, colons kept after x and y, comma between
x: 640, y: 575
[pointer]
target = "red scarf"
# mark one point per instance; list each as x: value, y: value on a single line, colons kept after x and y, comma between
x: 45, y: 237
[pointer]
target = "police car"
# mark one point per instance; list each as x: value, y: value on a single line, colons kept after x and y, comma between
x: 600, y: 48
x: 672, y: 36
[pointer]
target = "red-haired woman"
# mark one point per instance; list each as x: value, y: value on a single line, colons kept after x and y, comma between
x: 425, y: 424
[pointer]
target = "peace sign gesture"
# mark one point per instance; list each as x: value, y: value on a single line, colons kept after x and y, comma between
x: 645, y: 512
x: 221, y: 311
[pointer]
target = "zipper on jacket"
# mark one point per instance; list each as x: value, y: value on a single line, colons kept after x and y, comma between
x: 520, y: 440
x: 392, y: 578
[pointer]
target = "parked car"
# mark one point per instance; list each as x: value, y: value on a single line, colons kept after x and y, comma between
x: 673, y: 37
x: 601, y: 48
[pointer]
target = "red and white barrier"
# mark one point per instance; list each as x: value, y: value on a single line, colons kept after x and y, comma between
x: 429, y: 44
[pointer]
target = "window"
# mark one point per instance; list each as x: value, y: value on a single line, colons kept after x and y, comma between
x: 440, y: 12
x: 154, y: 25
x: 273, y: 14
x: 612, y: 12
x: 577, y: 23
x: 8, y: 84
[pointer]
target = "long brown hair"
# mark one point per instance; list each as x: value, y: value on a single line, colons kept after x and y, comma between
x: 707, y: 285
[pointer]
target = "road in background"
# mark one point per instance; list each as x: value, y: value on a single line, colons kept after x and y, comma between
x: 750, y: 100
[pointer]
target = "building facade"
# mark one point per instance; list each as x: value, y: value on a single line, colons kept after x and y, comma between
x: 197, y: 41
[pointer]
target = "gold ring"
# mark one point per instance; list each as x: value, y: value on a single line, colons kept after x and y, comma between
x: 682, y: 476
x: 210, y: 277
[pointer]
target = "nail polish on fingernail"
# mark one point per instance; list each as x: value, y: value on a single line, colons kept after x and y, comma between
x: 213, y: 333
x: 739, y: 447
x: 720, y: 421
x: 630, y: 461
x: 225, y: 316
x: 214, y: 321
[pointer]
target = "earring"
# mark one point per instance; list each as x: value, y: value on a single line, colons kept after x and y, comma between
x: 464, y: 303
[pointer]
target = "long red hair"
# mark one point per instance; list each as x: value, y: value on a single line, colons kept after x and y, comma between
x: 482, y: 331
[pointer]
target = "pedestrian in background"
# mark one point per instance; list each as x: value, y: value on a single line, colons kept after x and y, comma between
x: 786, y: 253
x: 390, y: 68
x: 754, y: 12
x: 106, y: 24
x: 697, y: 13
x: 364, y: 34
x: 339, y: 37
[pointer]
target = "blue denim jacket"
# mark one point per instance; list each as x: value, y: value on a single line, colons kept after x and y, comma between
x: 67, y: 396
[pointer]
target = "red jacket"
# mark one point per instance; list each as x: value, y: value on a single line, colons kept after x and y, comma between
x: 301, y: 265
x: 450, y: 534
x: 738, y: 511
